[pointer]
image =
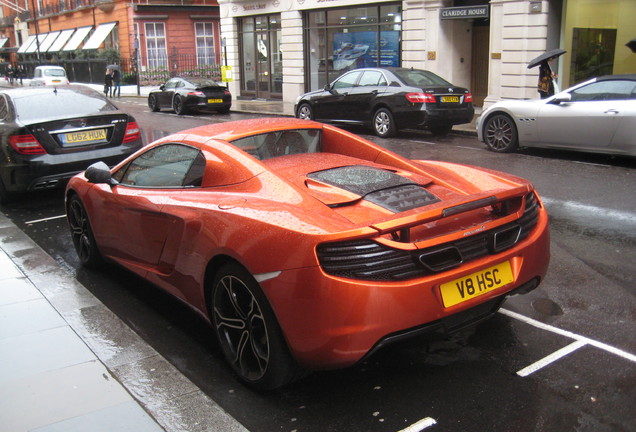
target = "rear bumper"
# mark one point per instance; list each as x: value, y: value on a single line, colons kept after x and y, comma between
x: 431, y: 117
x: 331, y: 322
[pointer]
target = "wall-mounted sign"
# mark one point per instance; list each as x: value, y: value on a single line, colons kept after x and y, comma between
x: 464, y: 12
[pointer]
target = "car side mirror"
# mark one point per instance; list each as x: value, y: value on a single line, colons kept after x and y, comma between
x: 99, y: 173
x: 162, y: 87
x: 327, y: 88
x: 562, y: 98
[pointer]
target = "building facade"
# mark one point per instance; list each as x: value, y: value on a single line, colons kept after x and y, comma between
x: 280, y: 49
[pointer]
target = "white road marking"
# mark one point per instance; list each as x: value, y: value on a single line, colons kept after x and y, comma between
x: 545, y: 361
x: 605, y: 347
x: 420, y: 425
x: 45, y: 219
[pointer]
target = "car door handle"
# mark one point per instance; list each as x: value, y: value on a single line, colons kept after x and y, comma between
x: 612, y: 111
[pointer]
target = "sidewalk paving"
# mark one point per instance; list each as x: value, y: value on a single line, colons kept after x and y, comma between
x: 64, y: 367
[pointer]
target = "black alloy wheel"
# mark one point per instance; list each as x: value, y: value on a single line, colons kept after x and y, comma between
x: 82, y: 234
x: 500, y: 134
x: 248, y: 332
x: 177, y: 105
x: 383, y: 124
x: 153, y: 104
x: 305, y: 112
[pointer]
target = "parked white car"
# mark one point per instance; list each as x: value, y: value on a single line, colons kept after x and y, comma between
x: 597, y: 116
x: 49, y: 75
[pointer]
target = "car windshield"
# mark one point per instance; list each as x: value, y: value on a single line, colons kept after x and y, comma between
x: 420, y: 78
x: 55, y: 72
x: 281, y: 143
x: 205, y: 83
x: 56, y: 102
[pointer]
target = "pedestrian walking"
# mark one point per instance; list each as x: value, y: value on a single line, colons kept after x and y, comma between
x: 116, y: 83
x: 108, y: 83
x: 20, y: 74
x: 11, y: 73
x: 546, y: 79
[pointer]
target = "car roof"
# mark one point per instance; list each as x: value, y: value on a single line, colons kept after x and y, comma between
x: 49, y: 67
x: 16, y: 92
x: 631, y: 77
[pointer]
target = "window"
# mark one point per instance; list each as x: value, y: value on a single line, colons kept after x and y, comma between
x: 346, y: 81
x: 372, y: 79
x: 204, y: 35
x: 156, y: 52
x: 274, y: 144
x: 605, y: 90
x: 168, y: 165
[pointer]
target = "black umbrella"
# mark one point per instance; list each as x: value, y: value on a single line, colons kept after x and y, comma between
x: 546, y: 56
x: 631, y: 45
x: 112, y: 66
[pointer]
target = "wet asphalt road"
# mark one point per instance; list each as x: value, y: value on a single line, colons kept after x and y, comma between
x: 497, y: 377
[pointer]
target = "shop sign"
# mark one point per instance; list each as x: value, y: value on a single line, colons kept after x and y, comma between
x: 465, y: 12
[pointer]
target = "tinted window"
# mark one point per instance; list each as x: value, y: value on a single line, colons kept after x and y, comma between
x: 605, y: 90
x: 346, y: 81
x: 282, y: 143
x: 61, y: 102
x: 171, y: 84
x: 169, y: 165
x: 206, y: 83
x: 420, y: 78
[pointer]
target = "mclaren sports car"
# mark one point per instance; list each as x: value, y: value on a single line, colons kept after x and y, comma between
x: 308, y: 247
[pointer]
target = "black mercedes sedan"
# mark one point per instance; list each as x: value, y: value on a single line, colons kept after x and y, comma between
x: 389, y: 99
x: 191, y: 94
x: 48, y: 134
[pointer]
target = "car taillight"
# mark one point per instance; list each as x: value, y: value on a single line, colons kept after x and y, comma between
x: 132, y: 132
x: 420, y: 98
x: 196, y: 93
x: 226, y: 92
x: 468, y: 97
x: 26, y: 144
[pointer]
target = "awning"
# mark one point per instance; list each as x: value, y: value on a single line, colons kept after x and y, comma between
x: 26, y: 44
x: 3, y: 41
x: 77, y: 39
x: 61, y: 40
x: 48, y: 40
x: 98, y: 36
x: 35, y: 45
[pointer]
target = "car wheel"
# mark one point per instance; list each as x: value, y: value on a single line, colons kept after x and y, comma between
x: 82, y: 234
x: 152, y: 103
x: 177, y: 105
x: 442, y: 129
x: 383, y: 123
x: 248, y: 332
x: 305, y: 112
x: 500, y: 134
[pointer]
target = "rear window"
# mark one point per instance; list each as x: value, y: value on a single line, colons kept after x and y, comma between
x: 55, y: 72
x: 57, y: 102
x: 420, y: 78
x: 206, y: 83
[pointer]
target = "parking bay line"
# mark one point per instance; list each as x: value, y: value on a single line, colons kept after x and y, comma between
x: 420, y: 425
x: 580, y: 341
x: 45, y: 219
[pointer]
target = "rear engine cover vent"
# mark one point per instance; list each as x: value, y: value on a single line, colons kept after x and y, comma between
x: 384, y: 188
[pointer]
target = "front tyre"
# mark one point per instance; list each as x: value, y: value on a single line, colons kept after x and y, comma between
x: 248, y: 332
x: 153, y: 104
x: 305, y: 112
x: 82, y: 234
x: 500, y: 134
x: 383, y: 123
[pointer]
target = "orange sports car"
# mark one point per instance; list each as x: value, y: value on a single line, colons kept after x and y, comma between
x: 309, y: 247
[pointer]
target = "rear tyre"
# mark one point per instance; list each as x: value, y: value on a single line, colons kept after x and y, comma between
x: 383, y: 124
x: 248, y: 332
x: 177, y: 105
x: 82, y: 234
x: 305, y: 112
x: 153, y: 104
x: 500, y: 134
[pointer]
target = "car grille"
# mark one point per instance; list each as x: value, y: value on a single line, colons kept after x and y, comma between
x: 368, y: 260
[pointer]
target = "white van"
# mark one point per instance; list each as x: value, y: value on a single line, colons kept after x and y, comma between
x: 49, y: 75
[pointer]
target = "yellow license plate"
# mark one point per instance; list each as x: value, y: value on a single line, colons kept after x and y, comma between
x: 84, y: 137
x: 476, y: 284
x: 454, y: 99
x: 215, y: 100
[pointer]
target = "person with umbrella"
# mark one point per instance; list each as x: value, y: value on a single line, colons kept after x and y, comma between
x: 546, y: 76
x: 108, y: 83
x: 116, y: 75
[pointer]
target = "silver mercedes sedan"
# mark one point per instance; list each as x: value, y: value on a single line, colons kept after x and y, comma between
x: 597, y: 116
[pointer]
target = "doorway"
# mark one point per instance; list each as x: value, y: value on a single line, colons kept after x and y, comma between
x: 480, y: 61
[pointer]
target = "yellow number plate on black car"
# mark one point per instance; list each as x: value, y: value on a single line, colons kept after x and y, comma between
x: 453, y: 99
x: 215, y: 100
x: 476, y: 284
x: 83, y: 137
